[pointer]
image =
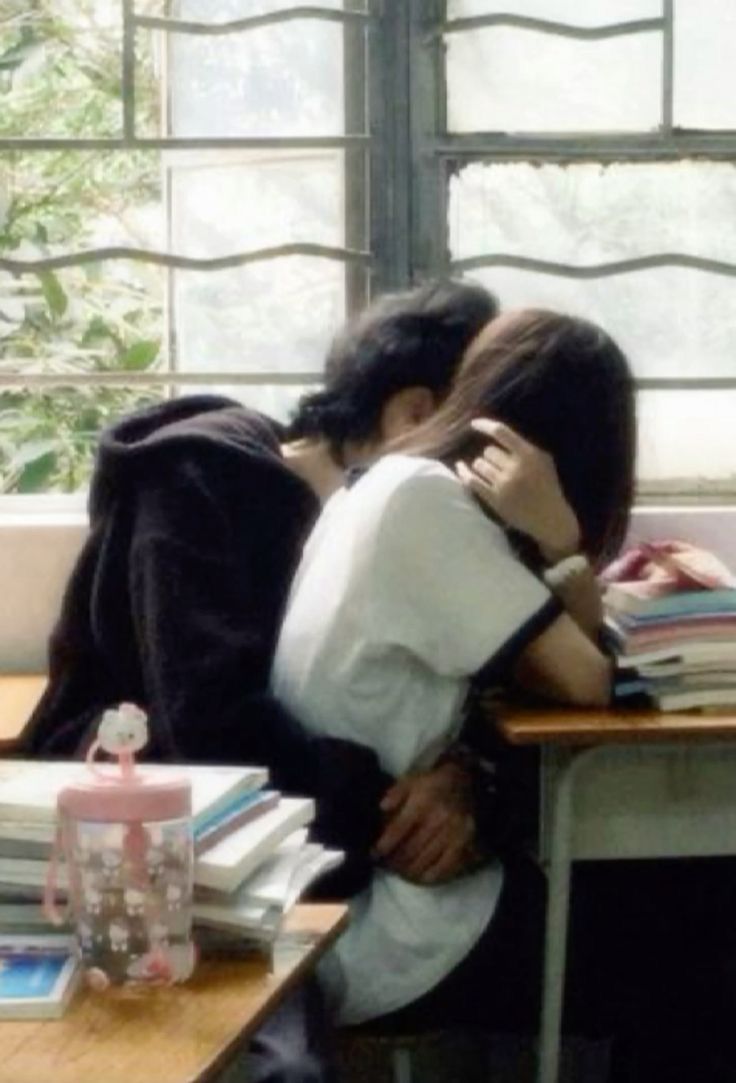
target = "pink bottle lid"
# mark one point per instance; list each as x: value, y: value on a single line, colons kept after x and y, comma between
x: 144, y: 797
x: 125, y: 794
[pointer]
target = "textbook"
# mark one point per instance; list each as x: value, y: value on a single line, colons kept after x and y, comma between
x: 35, y: 841
x: 29, y: 789
x: 38, y: 975
x: 222, y: 867
x: 624, y: 598
x: 243, y: 810
x: 259, y: 907
x: 230, y: 861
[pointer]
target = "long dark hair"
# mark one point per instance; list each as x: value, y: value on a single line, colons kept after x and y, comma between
x: 564, y: 384
x: 414, y: 338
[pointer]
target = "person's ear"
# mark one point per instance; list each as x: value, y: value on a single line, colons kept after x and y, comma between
x: 406, y: 410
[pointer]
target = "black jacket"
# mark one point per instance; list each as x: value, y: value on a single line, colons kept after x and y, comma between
x: 196, y: 527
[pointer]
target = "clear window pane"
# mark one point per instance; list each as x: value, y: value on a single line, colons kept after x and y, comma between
x: 93, y: 318
x: 47, y: 436
x: 60, y: 68
x: 511, y: 80
x: 672, y: 321
x: 705, y: 73
x: 591, y: 13
x: 278, y: 315
x: 276, y: 80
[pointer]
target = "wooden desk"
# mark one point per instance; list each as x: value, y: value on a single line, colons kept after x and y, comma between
x: 19, y: 694
x: 562, y: 726
x: 178, y: 1035
x: 616, y: 785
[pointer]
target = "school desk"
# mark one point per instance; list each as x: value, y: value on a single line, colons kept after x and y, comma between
x: 184, y: 1034
x: 621, y: 784
x: 19, y: 694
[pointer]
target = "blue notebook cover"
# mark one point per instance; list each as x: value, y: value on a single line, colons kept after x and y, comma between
x: 29, y: 975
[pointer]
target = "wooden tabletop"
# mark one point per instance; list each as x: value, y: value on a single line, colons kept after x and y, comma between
x: 574, y: 726
x: 178, y: 1035
x: 19, y: 694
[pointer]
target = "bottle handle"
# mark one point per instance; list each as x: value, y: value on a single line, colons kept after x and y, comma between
x: 50, y: 909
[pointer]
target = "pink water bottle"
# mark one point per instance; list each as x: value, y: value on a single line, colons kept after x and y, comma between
x: 126, y: 837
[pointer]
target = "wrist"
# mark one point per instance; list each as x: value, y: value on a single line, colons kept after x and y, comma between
x: 555, y: 549
x: 562, y: 571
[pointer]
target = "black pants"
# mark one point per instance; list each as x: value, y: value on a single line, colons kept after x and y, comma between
x: 292, y: 1046
x: 653, y: 962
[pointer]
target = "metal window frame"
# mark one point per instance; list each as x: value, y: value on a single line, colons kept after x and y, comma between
x: 437, y: 154
x: 355, y: 254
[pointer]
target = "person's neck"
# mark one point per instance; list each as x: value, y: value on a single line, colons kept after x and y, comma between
x: 312, y: 461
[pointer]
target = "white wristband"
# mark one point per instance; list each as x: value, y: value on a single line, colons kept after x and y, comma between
x: 565, y: 569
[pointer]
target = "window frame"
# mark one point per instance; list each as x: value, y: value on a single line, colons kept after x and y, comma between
x: 438, y: 153
x: 398, y: 171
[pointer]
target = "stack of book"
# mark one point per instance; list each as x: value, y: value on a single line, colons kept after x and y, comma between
x: 678, y: 650
x: 253, y: 859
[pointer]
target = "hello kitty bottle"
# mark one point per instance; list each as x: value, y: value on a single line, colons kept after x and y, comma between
x: 126, y: 837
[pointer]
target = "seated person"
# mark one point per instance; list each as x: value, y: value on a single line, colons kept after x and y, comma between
x: 407, y: 592
x: 198, y: 510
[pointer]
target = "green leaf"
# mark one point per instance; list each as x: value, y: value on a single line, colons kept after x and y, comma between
x: 140, y: 355
x: 53, y: 293
x: 33, y: 464
x: 35, y: 476
x: 95, y: 330
x: 30, y: 451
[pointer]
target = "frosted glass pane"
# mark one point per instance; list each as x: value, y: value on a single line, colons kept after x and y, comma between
x: 687, y: 435
x: 274, y: 81
x: 262, y: 200
x: 591, y: 13
x: 220, y: 11
x: 669, y: 322
x: 587, y: 212
x: 672, y: 321
x: 506, y: 79
x: 705, y: 73
x: 279, y: 315
x: 276, y: 401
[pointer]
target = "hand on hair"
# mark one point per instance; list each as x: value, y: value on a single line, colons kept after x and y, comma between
x: 430, y: 829
x: 518, y: 481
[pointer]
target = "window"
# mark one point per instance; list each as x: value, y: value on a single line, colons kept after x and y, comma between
x: 182, y: 206
x: 194, y: 193
x: 585, y: 156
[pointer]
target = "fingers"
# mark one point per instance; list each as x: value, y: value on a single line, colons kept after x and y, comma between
x: 429, y: 859
x: 502, y: 433
x: 451, y: 863
x: 396, y: 832
x: 395, y: 796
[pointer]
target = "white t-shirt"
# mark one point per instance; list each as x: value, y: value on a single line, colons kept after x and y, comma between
x: 404, y: 591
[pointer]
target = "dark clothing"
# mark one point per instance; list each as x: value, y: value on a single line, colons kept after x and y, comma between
x: 653, y: 963
x: 294, y: 1044
x: 196, y: 527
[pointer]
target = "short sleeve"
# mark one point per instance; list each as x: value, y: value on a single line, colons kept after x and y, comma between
x: 451, y: 591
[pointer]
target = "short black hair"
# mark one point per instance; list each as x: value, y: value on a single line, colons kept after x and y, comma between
x: 415, y: 338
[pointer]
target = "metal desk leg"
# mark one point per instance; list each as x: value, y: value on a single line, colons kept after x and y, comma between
x: 557, y: 922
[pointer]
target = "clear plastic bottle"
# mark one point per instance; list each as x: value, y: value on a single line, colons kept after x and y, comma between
x: 126, y: 838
